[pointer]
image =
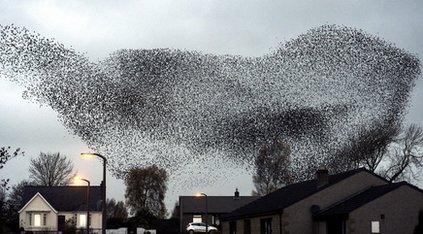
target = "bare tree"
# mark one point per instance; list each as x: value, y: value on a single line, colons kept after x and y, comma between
x: 272, y: 167
x: 3, y: 211
x: 5, y: 155
x: 145, y: 190
x: 14, y: 202
x: 368, y: 150
x: 116, y: 210
x: 175, y: 211
x: 15, y: 197
x: 405, y: 160
x: 51, y: 169
x: 393, y: 153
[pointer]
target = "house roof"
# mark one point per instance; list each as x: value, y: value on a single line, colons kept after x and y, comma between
x: 287, y: 196
x: 41, y: 196
x: 65, y: 198
x: 356, y: 201
x: 215, y: 204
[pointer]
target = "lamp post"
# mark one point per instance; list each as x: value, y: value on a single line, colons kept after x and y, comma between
x: 87, y: 201
x: 88, y: 205
x: 207, y: 210
x: 103, y: 206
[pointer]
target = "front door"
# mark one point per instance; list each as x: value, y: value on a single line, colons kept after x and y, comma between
x: 61, y: 223
x: 335, y: 226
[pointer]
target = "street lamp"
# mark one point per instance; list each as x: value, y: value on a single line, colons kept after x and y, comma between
x: 103, y: 207
x: 77, y: 179
x: 207, y: 211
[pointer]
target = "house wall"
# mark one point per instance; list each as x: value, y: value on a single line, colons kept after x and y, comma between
x: 38, y: 206
x: 297, y: 218
x: 95, y: 218
x: 255, y: 224
x: 400, y: 208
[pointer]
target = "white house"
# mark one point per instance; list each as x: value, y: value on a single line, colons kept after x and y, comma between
x: 50, y: 208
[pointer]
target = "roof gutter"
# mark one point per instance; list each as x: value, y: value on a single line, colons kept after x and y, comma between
x: 273, y: 212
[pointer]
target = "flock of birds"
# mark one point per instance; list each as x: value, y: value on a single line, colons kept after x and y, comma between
x: 196, y: 114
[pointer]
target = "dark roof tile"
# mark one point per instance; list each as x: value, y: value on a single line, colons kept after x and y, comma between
x: 65, y: 198
x: 286, y: 196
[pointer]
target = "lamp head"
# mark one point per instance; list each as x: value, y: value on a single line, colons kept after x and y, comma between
x: 78, y: 180
x: 87, y: 155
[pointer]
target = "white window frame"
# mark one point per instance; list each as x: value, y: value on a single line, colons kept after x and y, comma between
x: 197, y: 218
x: 375, y: 226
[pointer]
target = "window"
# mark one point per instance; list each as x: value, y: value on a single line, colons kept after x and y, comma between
x: 213, y: 221
x: 232, y: 227
x: 44, y: 219
x: 197, y: 219
x: 37, y: 220
x: 217, y: 220
x: 30, y: 219
x: 247, y: 226
x: 375, y: 227
x: 82, y: 220
x: 74, y: 219
x: 266, y: 226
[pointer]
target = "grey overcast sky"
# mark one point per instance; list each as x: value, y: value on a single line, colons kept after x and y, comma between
x: 249, y: 28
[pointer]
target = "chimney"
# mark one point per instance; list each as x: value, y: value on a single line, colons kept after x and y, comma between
x: 322, y: 177
x: 236, y: 193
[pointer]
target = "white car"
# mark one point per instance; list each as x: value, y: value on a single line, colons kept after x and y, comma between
x: 199, y: 227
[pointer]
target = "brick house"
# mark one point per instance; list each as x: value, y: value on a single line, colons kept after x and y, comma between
x: 357, y: 201
x: 49, y: 208
x: 193, y: 209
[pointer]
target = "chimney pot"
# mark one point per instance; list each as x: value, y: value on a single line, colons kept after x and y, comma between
x: 236, y: 193
x: 322, y: 177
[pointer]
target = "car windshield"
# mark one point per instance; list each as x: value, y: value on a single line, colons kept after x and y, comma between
x: 198, y: 224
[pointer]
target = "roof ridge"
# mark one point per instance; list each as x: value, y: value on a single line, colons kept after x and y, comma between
x: 353, y: 172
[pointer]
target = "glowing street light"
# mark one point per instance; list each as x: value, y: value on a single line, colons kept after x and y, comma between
x: 78, y: 180
x: 207, y: 211
x: 103, y: 187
